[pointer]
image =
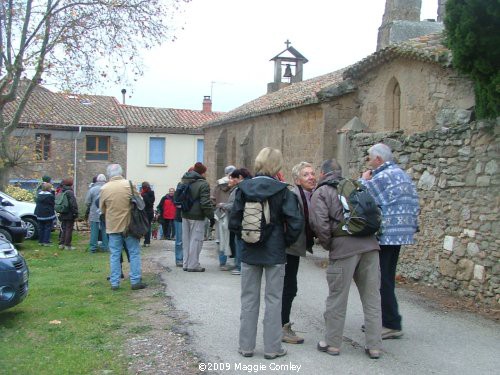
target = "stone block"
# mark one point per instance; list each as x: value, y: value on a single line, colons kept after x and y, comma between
x: 479, y: 272
x: 483, y: 181
x: 448, y: 243
x: 469, y: 232
x: 465, y: 269
x: 427, y: 181
x: 447, y: 268
x: 491, y: 167
x: 472, y: 249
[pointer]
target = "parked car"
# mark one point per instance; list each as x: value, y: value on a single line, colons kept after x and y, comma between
x: 25, y: 210
x: 14, y: 275
x: 12, y: 228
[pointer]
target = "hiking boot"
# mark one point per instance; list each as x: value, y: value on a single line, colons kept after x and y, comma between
x: 61, y: 247
x: 226, y: 267
x: 281, y: 353
x: 289, y: 335
x: 178, y: 264
x: 138, y: 286
x: 388, y: 333
x: 245, y: 353
x: 236, y: 272
x: 373, y: 353
x: 197, y: 269
x: 115, y: 287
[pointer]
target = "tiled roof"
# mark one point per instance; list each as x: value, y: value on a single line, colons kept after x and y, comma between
x: 162, y: 119
x: 62, y: 110
x: 295, y: 95
x: 59, y: 109
x: 428, y: 48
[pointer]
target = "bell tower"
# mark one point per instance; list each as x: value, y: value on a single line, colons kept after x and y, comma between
x: 288, y: 68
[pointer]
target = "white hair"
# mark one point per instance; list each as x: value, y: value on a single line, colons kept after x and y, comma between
x: 381, y: 150
x: 298, y: 168
x: 101, y: 178
x: 114, y: 170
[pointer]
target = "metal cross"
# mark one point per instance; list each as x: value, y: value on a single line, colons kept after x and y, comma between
x: 288, y: 43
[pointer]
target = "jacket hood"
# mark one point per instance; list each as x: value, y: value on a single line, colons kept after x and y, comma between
x: 192, y: 176
x: 261, y: 187
x: 223, y: 184
x: 44, y: 196
x: 329, y: 176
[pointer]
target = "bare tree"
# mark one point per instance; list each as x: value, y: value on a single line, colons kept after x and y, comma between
x: 77, y: 43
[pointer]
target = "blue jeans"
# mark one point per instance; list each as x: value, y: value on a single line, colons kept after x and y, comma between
x: 95, y: 227
x: 178, y: 241
x: 238, y: 246
x: 44, y: 227
x: 116, y: 241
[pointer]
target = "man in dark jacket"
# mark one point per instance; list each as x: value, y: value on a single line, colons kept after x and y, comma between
x: 148, y: 195
x: 350, y: 258
x: 44, y: 212
x: 68, y: 218
x: 268, y: 256
x: 193, y: 221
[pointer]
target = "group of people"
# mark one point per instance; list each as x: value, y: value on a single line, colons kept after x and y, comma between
x: 310, y: 209
x: 299, y: 214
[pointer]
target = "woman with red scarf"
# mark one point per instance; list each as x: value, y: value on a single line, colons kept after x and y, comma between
x: 148, y: 196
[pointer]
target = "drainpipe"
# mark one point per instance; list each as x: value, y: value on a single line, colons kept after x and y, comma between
x: 74, y: 164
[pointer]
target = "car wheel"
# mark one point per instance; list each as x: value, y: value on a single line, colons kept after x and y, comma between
x: 32, y: 228
x: 5, y: 235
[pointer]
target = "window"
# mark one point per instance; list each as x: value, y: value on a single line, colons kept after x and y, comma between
x: 156, y: 150
x: 200, y: 146
x: 42, y: 146
x: 97, y: 147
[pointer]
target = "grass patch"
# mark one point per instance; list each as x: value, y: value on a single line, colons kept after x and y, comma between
x: 71, y: 322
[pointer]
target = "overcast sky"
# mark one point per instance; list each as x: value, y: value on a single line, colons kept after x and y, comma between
x: 225, y: 48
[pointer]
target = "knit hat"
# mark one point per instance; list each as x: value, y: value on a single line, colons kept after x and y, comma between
x: 67, y: 182
x: 229, y: 169
x: 199, y: 168
x: 46, y: 178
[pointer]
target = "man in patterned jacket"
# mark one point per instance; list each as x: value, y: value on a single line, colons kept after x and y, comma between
x: 397, y: 197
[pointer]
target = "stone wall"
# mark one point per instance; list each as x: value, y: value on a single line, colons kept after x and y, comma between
x: 430, y: 96
x: 456, y: 173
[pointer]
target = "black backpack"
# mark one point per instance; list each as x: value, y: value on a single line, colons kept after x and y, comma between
x: 139, y: 222
x: 362, y: 216
x: 183, y: 196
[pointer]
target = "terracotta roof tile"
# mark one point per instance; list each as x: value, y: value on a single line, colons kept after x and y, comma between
x: 429, y: 48
x: 59, y: 109
x: 295, y: 95
x: 160, y: 119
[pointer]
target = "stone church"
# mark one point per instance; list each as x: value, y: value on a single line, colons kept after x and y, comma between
x: 408, y: 95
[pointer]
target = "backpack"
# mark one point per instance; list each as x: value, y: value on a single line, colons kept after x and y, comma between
x: 183, y: 197
x: 362, y: 216
x: 139, y: 222
x: 61, y: 203
x: 256, y: 226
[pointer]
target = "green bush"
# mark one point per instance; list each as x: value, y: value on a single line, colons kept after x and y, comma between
x: 20, y: 194
x: 472, y: 34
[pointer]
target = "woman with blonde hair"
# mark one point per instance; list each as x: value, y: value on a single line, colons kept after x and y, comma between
x: 268, y: 255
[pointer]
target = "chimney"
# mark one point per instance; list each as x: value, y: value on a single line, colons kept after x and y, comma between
x: 207, y: 104
x: 397, y: 10
x: 123, y: 95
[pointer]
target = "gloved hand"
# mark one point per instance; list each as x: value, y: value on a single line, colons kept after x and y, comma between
x: 212, y: 222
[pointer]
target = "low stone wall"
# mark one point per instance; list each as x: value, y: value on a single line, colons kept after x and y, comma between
x: 456, y: 173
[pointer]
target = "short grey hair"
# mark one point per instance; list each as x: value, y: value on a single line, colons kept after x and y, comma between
x: 298, y: 168
x: 114, y: 170
x: 331, y: 165
x: 381, y: 150
x: 101, y: 178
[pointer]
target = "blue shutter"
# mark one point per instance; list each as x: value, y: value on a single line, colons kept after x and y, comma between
x: 156, y: 150
x: 200, y: 145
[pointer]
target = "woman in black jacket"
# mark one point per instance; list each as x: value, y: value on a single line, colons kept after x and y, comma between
x: 148, y: 196
x: 267, y: 257
x: 44, y: 212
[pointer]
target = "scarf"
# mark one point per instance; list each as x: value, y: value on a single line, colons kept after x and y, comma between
x: 309, y: 231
